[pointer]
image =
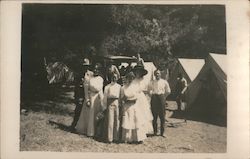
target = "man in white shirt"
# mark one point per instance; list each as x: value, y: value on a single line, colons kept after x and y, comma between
x: 159, y: 90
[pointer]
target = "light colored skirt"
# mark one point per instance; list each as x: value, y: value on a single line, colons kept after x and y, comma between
x: 132, y: 123
x: 143, y: 103
x: 132, y: 135
x: 87, y: 121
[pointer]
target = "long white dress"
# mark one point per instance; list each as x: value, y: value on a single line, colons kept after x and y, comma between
x: 87, y: 121
x: 143, y: 103
x: 132, y: 119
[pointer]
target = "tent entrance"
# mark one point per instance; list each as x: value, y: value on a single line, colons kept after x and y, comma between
x: 209, y: 106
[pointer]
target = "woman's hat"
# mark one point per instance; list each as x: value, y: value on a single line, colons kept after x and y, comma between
x: 97, y: 66
x: 130, y: 75
x: 140, y: 68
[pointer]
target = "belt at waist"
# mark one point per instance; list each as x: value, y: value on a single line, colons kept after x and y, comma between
x: 112, y: 98
x: 112, y: 101
x: 158, y: 94
x: 130, y: 101
x: 93, y: 92
x: 145, y: 92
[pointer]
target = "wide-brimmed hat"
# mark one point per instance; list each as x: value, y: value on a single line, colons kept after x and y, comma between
x: 140, y: 68
x: 86, y: 62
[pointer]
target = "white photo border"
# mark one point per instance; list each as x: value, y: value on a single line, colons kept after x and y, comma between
x: 237, y: 26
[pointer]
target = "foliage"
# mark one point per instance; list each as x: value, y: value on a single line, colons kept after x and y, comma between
x: 157, y: 32
x: 58, y: 72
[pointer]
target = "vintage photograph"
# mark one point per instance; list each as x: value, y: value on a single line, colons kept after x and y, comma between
x: 123, y: 78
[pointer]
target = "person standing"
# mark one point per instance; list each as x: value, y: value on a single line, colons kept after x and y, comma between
x: 143, y: 102
x: 93, y: 103
x: 181, y: 88
x: 132, y: 117
x: 111, y: 103
x: 159, y: 90
x: 81, y: 77
x: 111, y: 69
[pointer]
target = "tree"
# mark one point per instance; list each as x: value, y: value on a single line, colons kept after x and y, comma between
x: 158, y: 32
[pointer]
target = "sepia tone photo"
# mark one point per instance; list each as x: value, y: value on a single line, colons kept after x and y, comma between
x: 123, y: 78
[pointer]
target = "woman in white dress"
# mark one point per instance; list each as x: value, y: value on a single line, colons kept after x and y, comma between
x: 143, y: 101
x: 93, y: 104
x: 132, y: 118
x: 111, y: 103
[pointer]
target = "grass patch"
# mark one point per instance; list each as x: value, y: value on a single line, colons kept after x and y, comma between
x: 44, y: 127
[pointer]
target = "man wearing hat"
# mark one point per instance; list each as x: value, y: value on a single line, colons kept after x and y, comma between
x: 80, y: 77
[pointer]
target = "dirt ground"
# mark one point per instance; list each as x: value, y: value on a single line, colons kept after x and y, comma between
x: 45, y: 127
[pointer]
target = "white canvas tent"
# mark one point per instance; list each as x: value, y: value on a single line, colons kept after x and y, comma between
x: 218, y: 64
x: 215, y: 65
x: 207, y: 94
x: 189, y: 68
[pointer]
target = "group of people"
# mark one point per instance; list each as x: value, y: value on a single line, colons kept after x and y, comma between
x: 114, y: 112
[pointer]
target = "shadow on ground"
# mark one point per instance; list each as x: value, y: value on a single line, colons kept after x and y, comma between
x: 52, y: 100
x: 206, y: 118
x: 200, y: 115
x: 60, y: 126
